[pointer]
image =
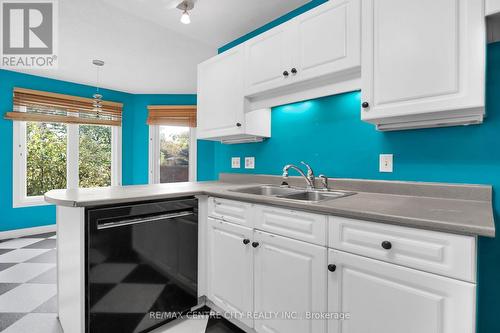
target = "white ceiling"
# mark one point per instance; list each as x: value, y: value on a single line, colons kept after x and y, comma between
x: 145, y: 47
x: 214, y: 22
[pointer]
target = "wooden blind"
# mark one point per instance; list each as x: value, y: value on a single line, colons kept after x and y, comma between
x: 34, y: 105
x: 172, y: 115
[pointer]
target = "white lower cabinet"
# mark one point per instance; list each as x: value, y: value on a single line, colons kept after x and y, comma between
x: 383, y: 297
x: 230, y: 268
x: 294, y: 286
x: 290, y: 278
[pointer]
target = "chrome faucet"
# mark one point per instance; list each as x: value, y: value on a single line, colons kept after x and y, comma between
x: 309, y: 177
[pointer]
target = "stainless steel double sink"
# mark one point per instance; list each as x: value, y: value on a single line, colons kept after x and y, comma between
x: 293, y: 193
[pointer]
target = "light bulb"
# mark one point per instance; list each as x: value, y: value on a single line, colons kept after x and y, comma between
x: 185, y: 17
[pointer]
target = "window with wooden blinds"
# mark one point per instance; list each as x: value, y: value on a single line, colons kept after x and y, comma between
x: 41, y: 106
x: 172, y: 115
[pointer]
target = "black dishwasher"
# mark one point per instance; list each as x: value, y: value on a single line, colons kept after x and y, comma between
x: 141, y: 264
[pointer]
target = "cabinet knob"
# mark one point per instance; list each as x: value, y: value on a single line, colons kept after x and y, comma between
x: 285, y: 73
x: 294, y: 71
x: 246, y: 241
x: 365, y: 105
x: 238, y: 124
x: 255, y: 244
x: 332, y: 268
x: 386, y: 245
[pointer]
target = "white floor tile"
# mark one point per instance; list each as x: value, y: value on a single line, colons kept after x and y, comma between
x: 18, y: 243
x: 22, y: 273
x: 26, y: 297
x: 36, y: 323
x: 21, y: 255
x: 184, y: 326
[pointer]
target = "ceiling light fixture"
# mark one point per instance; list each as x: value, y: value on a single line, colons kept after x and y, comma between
x: 185, y: 17
x: 97, y: 103
x: 186, y: 6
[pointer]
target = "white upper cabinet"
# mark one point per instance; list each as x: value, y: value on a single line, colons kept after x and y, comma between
x: 268, y: 60
x: 305, y: 57
x: 221, y: 106
x: 423, y: 63
x: 327, y: 40
x: 382, y: 297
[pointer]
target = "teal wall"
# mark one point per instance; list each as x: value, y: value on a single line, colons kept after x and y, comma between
x: 134, y: 141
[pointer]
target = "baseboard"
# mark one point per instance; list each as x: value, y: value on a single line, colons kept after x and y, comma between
x: 27, y: 231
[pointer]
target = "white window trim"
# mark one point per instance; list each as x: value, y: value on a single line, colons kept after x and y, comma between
x: 154, y: 158
x: 20, y: 199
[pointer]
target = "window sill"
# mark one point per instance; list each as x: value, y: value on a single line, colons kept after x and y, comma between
x: 30, y: 202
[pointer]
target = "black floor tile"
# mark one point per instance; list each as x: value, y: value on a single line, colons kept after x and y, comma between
x: 6, y: 265
x: 44, y: 244
x: 7, y: 319
x: 44, y: 235
x: 2, y: 251
x: 5, y: 287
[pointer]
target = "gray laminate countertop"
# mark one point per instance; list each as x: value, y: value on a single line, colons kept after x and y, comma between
x: 455, y: 208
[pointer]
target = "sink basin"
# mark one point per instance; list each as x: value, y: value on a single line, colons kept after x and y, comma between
x: 316, y: 196
x: 269, y: 190
x: 293, y: 193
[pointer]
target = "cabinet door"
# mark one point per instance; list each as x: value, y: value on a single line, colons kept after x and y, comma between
x: 328, y: 39
x: 382, y: 297
x: 422, y: 57
x: 268, y: 56
x: 230, y: 268
x: 220, y: 95
x: 290, y: 279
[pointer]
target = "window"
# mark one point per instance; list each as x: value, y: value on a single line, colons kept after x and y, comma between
x: 172, y: 154
x: 172, y: 143
x: 51, y: 156
x: 59, y: 153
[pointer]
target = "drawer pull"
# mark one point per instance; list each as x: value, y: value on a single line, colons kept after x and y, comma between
x: 246, y: 241
x: 255, y: 244
x: 332, y: 268
x: 386, y: 245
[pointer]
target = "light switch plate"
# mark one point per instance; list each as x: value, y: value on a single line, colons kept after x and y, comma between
x: 249, y: 162
x: 235, y: 162
x: 385, y: 163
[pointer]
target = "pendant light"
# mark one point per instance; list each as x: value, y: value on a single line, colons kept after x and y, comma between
x: 97, y: 103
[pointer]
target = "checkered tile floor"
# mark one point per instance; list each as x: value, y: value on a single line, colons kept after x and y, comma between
x: 28, y: 291
x: 28, y: 300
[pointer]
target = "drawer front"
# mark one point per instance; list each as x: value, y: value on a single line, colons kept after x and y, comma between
x: 436, y: 252
x: 230, y: 211
x: 299, y: 225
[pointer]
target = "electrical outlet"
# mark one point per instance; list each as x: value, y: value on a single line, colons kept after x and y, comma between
x: 385, y: 162
x: 249, y: 162
x: 235, y: 163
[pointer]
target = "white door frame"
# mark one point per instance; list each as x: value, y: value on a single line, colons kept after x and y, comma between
x: 154, y: 149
